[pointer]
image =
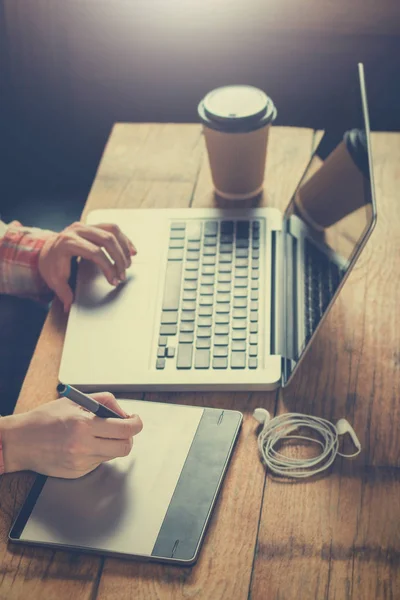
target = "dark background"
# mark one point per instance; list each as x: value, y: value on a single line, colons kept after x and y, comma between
x: 69, y: 69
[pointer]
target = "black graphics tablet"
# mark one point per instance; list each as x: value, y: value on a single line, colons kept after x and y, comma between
x: 151, y: 505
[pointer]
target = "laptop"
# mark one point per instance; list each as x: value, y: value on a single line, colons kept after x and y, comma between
x: 227, y: 299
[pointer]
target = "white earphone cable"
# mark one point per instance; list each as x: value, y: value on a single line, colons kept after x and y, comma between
x: 282, y: 429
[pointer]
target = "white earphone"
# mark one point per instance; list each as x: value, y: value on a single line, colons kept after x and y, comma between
x: 282, y: 428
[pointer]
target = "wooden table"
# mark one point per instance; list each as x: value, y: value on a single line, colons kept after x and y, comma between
x: 337, y: 537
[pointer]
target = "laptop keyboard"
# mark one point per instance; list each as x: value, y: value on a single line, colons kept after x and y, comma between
x: 210, y: 309
x: 322, y: 278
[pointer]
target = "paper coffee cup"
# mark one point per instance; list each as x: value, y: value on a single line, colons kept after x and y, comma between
x: 236, y: 122
x: 337, y: 189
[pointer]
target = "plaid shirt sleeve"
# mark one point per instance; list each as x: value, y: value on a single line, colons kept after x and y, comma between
x: 19, y: 256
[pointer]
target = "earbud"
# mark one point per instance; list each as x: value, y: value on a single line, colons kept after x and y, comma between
x: 343, y: 427
x: 262, y: 416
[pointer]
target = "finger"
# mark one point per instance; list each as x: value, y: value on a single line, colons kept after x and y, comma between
x: 78, y: 246
x: 107, y: 449
x: 108, y: 241
x: 117, y: 429
x: 127, y: 246
x: 64, y: 293
x: 109, y: 400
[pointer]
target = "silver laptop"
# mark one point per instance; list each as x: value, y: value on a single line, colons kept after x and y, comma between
x: 226, y: 299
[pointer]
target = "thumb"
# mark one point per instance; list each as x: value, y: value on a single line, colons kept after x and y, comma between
x: 109, y: 400
x: 64, y: 293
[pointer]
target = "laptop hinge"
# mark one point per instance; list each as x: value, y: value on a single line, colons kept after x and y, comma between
x: 277, y: 293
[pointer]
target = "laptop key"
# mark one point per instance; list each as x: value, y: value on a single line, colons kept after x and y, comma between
x: 240, y: 292
x: 206, y: 290
x: 224, y: 288
x: 207, y: 280
x: 253, y: 339
x: 239, y: 334
x: 254, y: 295
x: 169, y: 317
x: 242, y: 243
x: 240, y: 302
x: 209, y: 260
x: 223, y: 298
x: 177, y: 225
x: 186, y: 337
x: 220, y: 351
x: 208, y: 270
x: 221, y: 329
x: 238, y: 345
x: 239, y: 313
x: 206, y: 300
x: 239, y: 323
x: 255, y: 254
x: 241, y: 272
x: 222, y: 307
x: 238, y: 360
x: 162, y: 340
x: 189, y: 295
x: 224, y: 277
x: 253, y: 362
x: 225, y: 268
x: 160, y: 364
x: 184, y: 358
x: 188, y: 315
x: 242, y: 253
x: 192, y: 266
x: 254, y: 305
x: 172, y: 287
x: 227, y: 227
x: 221, y: 340
x: 241, y: 283
x: 256, y: 263
x: 222, y: 319
x: 189, y: 305
x: 210, y: 228
x: 203, y: 343
x: 220, y: 362
x: 175, y: 254
x: 194, y: 231
x: 187, y: 326
x: 225, y: 258
x: 205, y: 311
x: 256, y: 244
x: 255, y: 273
x: 203, y: 332
x: 254, y: 316
x: 253, y: 327
x: 242, y: 229
x: 189, y: 285
x: 168, y: 330
x: 210, y: 240
x: 226, y: 238
x: 254, y: 284
x: 170, y: 352
x: 191, y: 275
x: 204, y: 321
x: 253, y: 351
x: 193, y: 255
x: 202, y: 359
x: 174, y: 244
x: 225, y: 248
x: 193, y: 245
x: 161, y: 352
x: 242, y: 262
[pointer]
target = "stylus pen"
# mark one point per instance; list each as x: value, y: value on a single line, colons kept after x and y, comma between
x: 86, y: 402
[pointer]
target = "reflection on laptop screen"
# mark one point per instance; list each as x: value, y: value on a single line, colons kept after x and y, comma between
x: 331, y: 215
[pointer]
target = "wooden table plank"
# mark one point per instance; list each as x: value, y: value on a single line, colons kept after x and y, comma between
x: 339, y: 537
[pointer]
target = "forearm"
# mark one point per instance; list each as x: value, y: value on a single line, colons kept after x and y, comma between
x: 19, y: 256
x: 11, y: 450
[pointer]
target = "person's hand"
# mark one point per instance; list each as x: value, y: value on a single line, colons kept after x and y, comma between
x: 88, y: 242
x: 63, y: 440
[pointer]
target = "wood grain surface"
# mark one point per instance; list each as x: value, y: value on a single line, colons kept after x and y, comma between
x: 337, y: 537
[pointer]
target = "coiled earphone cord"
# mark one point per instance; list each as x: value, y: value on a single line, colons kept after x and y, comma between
x: 284, y: 427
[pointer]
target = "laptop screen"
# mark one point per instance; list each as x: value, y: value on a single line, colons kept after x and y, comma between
x: 328, y: 221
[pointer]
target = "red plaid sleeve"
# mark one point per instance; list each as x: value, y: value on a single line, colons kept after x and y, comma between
x: 19, y: 255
